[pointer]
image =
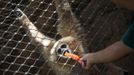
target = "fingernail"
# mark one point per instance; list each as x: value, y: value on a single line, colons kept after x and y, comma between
x: 85, y: 62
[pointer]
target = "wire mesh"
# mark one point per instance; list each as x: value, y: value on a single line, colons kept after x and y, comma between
x: 18, y: 56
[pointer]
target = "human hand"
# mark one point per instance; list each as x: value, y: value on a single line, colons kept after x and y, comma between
x: 86, y: 61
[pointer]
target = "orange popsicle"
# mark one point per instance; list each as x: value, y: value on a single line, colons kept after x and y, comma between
x: 73, y: 56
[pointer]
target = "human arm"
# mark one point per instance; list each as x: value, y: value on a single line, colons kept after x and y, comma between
x: 111, y: 53
x: 129, y: 4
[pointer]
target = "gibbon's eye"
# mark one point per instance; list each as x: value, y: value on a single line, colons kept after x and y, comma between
x: 64, y: 46
x: 59, y: 51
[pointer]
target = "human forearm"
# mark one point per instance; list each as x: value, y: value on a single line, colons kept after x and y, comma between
x: 111, y: 53
x: 129, y: 4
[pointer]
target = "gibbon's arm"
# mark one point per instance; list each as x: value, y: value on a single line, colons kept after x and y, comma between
x: 34, y: 33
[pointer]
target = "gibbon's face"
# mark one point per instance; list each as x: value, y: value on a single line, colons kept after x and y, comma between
x: 66, y: 44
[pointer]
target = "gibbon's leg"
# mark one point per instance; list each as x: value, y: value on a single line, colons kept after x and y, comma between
x: 68, y: 23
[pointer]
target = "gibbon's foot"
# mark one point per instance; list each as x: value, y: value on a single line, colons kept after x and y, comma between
x: 18, y: 13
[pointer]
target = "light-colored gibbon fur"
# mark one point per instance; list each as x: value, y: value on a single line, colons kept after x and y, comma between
x: 68, y: 28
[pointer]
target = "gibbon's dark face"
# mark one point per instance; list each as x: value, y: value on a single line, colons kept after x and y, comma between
x: 67, y: 44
